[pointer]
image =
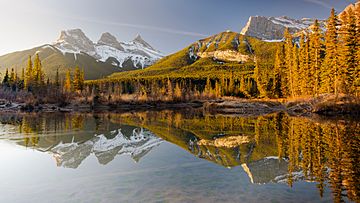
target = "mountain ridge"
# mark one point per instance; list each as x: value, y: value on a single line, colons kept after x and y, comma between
x: 138, y: 50
x: 272, y: 29
x: 73, y: 48
x: 212, y: 55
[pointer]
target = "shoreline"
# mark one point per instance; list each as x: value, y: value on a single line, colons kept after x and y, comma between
x: 246, y: 107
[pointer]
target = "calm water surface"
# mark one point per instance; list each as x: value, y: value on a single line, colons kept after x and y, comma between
x: 177, y: 157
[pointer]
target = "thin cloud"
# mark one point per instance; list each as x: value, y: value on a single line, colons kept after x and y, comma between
x: 320, y: 3
x: 146, y: 27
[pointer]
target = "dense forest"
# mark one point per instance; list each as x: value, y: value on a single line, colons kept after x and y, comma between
x: 304, y: 65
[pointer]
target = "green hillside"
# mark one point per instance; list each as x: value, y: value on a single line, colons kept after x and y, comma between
x: 52, y: 59
x: 187, y: 64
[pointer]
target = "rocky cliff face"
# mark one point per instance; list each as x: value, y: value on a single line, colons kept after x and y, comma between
x: 272, y: 28
x: 75, y: 41
x: 228, y: 55
x: 225, y: 46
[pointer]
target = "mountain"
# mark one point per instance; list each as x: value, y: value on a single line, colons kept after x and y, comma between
x: 212, y: 55
x: 137, y: 145
x: 272, y: 28
x: 137, y: 53
x: 99, y: 59
x: 271, y: 170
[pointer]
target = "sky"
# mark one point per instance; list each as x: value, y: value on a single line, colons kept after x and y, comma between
x: 168, y: 25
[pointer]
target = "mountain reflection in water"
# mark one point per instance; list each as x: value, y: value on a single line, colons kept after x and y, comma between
x: 271, y: 149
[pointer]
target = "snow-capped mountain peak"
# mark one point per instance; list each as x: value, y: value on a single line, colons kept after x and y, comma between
x: 110, y: 40
x: 137, y: 53
x: 75, y: 41
x: 139, y: 39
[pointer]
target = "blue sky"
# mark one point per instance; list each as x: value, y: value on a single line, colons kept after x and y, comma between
x: 169, y: 25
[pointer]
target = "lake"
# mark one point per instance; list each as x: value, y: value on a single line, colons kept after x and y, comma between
x: 168, y: 156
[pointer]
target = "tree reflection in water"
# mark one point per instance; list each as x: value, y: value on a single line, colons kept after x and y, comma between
x: 271, y: 148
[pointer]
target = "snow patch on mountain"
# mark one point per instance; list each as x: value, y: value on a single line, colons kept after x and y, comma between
x: 292, y: 23
x: 138, y: 51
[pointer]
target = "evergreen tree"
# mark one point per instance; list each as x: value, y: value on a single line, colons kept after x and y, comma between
x: 231, y: 84
x: 67, y: 85
x: 260, y: 83
x: 357, y: 70
x: 82, y: 80
x: 217, y: 89
x: 57, y: 79
x: 315, y: 52
x: 330, y: 69
x: 279, y: 88
x: 12, y: 78
x: 208, y: 88
x: 302, y: 59
x: 29, y: 74
x: 22, y: 74
x: 177, y: 92
x: 287, y: 72
x: 348, y: 51
x: 169, y: 89
x: 243, y: 85
x: 6, y: 79
x: 77, y: 79
x: 307, y: 66
x: 223, y: 85
x: 295, y: 85
x: 37, y: 72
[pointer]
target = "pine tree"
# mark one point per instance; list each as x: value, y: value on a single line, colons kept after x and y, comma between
x: 260, y: 83
x: 67, y: 85
x: 169, y: 89
x: 12, y: 78
x: 287, y: 72
x: 348, y: 51
x: 82, y: 80
x: 315, y: 52
x: 37, y: 72
x: 357, y: 70
x: 302, y: 62
x: 22, y: 74
x: 177, y: 92
x: 295, y: 85
x: 223, y: 85
x: 243, y: 85
x: 6, y: 79
x: 330, y: 69
x: 217, y: 89
x: 231, y: 84
x: 307, y: 67
x: 208, y: 88
x: 57, y: 79
x: 77, y: 79
x: 29, y: 74
x: 279, y: 88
